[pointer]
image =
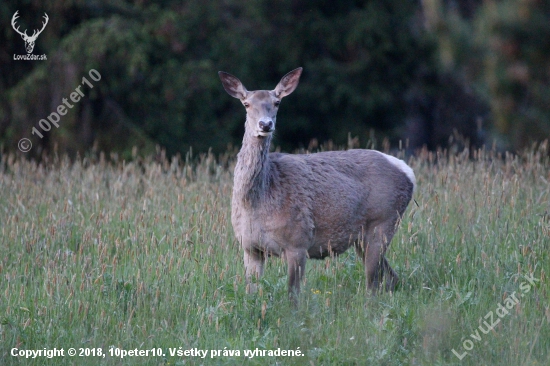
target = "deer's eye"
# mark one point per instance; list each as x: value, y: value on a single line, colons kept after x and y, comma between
x: 277, y: 103
x: 246, y: 105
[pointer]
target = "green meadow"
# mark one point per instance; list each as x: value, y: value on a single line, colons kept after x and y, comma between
x: 107, y: 257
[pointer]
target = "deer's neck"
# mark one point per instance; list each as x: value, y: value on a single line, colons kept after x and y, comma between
x: 252, y: 171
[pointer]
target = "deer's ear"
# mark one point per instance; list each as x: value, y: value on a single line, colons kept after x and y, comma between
x: 232, y: 85
x: 288, y: 83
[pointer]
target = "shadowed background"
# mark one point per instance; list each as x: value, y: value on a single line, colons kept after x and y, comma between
x: 425, y: 72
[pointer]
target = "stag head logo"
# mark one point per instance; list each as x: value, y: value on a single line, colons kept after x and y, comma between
x: 29, y: 40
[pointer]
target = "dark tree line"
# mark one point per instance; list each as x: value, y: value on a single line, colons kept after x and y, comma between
x: 393, y: 67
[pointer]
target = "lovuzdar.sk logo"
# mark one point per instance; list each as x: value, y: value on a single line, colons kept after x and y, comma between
x: 29, y: 40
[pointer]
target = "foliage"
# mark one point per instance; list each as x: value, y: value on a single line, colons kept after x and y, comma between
x: 416, y: 70
x: 159, y: 64
x: 501, y: 48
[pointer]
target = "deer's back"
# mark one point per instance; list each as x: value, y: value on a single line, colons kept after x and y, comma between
x: 314, y: 201
x: 342, y: 191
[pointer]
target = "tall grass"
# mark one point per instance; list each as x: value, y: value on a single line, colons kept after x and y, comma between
x: 97, y: 254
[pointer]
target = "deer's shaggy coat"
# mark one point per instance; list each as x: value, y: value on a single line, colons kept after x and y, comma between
x: 311, y: 205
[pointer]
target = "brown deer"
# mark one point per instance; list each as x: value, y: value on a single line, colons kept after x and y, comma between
x: 311, y: 205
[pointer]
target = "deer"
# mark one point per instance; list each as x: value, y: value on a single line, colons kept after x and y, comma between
x: 313, y: 205
x: 29, y: 41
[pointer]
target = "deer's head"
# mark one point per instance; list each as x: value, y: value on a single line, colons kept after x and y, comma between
x: 29, y: 40
x: 261, y: 105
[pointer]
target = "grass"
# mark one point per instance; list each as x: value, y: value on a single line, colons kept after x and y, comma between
x: 141, y: 255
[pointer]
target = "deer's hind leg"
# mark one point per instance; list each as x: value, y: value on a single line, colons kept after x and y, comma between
x: 371, y: 250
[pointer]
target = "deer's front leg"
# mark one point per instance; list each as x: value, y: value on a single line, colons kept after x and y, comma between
x: 296, y: 261
x: 254, y: 268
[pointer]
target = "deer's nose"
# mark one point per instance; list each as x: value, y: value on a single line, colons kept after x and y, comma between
x: 266, y: 125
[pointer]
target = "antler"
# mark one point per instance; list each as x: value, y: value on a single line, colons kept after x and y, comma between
x: 15, y: 16
x: 34, y: 34
x: 24, y: 34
